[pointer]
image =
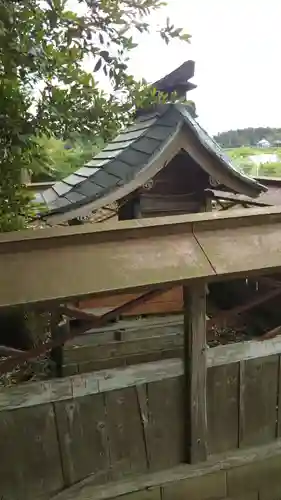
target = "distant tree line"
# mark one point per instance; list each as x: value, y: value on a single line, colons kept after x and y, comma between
x: 247, y: 136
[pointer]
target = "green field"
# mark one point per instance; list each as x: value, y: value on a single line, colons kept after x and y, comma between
x: 242, y: 159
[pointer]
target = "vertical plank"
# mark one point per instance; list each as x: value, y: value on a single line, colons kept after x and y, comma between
x: 125, y: 433
x: 195, y: 368
x: 58, y: 328
x: 241, y: 411
x: 142, y: 397
x: 278, y: 426
x: 222, y: 407
x: 208, y: 203
x: 30, y: 459
x: 165, y: 432
x: 258, y: 412
x: 81, y: 424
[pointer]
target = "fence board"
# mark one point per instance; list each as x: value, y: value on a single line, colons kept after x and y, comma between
x: 222, y: 408
x: 82, y: 432
x: 166, y: 424
x: 278, y: 426
x: 195, y: 372
x: 258, y: 414
x: 125, y: 432
x: 30, y: 463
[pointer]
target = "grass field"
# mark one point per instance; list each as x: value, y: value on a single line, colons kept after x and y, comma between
x: 257, y: 161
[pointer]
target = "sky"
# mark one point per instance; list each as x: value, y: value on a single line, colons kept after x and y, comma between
x: 236, y: 48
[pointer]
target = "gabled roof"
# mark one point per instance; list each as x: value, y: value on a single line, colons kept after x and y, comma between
x: 136, y: 156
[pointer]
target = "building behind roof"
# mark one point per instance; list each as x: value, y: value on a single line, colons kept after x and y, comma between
x: 263, y: 143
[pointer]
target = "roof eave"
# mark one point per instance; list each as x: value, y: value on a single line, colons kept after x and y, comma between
x: 156, y: 163
x: 212, y: 163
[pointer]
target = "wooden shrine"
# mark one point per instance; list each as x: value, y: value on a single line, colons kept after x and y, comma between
x: 163, y: 164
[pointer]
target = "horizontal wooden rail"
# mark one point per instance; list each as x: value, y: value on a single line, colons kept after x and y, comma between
x: 106, y: 380
x: 58, y: 264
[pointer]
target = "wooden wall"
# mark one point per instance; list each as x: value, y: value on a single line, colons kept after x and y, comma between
x: 252, y: 474
x: 127, y: 342
x: 118, y: 423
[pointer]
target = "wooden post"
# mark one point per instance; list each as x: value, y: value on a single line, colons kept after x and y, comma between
x: 195, y: 369
x: 56, y: 354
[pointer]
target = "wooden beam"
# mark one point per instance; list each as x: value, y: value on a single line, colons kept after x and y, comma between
x: 195, y: 370
x: 237, y: 198
x: 56, y: 354
x: 243, y: 351
x: 9, y: 351
x: 136, y: 255
x: 271, y: 334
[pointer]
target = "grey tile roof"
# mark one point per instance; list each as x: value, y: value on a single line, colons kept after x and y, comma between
x: 117, y: 164
x: 223, y: 161
x: 127, y: 155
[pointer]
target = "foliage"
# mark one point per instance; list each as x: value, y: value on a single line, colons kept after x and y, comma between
x: 271, y: 169
x: 44, y: 89
x: 248, y: 136
x: 242, y: 158
x: 60, y: 158
x: 243, y: 152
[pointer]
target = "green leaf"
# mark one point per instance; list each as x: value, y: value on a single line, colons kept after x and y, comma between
x: 105, y: 55
x: 98, y: 65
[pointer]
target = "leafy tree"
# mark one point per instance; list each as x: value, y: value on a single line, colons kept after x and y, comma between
x: 248, y: 136
x: 60, y: 158
x: 44, y: 89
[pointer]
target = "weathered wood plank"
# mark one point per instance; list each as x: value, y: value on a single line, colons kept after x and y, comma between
x: 122, y: 348
x: 171, y: 299
x: 130, y: 326
x: 195, y: 368
x: 233, y: 353
x: 278, y: 423
x: 222, y: 405
x: 82, y: 433
x: 263, y: 458
x: 258, y: 413
x: 142, y: 397
x: 165, y: 429
x: 125, y: 433
x: 30, y: 464
x: 36, y: 393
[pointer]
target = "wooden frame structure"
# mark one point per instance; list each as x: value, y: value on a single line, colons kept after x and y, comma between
x: 136, y: 255
x: 149, y: 256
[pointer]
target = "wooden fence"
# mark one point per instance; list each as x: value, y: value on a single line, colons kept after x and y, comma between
x: 117, y: 423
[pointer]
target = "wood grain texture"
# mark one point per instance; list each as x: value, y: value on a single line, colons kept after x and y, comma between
x: 222, y: 405
x: 165, y: 428
x: 82, y: 432
x: 258, y: 401
x: 125, y: 433
x: 30, y: 465
x: 246, y: 465
x: 37, y: 393
x: 195, y: 368
x: 169, y: 251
